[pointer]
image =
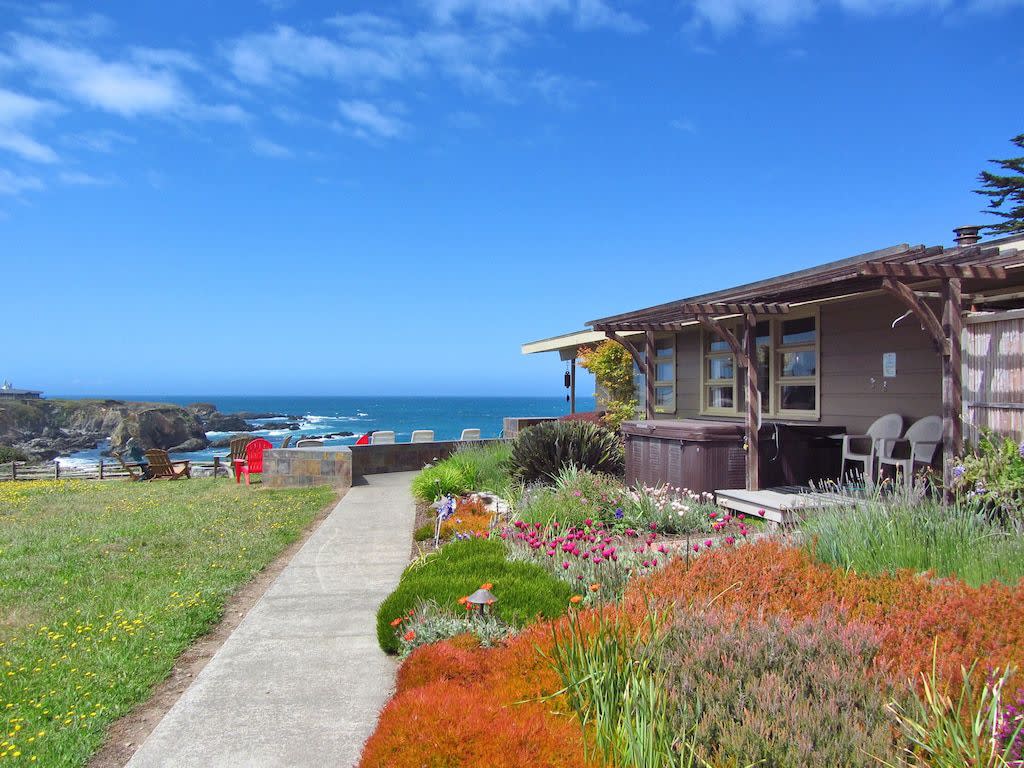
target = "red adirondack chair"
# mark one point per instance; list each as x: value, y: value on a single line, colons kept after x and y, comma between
x: 253, y: 463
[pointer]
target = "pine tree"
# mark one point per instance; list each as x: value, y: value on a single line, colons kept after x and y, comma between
x: 1000, y: 189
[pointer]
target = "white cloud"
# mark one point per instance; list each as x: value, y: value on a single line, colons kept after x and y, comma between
x: 97, y: 141
x: 724, y: 15
x: 268, y: 148
x: 17, y: 112
x: 684, y: 124
x: 13, y: 184
x: 25, y: 146
x: 595, y: 14
x: 285, y: 53
x: 367, y: 121
x: 114, y: 86
x: 147, y: 83
x: 79, y: 179
x: 446, y: 11
x: 59, y: 23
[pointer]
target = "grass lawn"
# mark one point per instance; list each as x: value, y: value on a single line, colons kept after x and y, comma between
x: 102, y: 585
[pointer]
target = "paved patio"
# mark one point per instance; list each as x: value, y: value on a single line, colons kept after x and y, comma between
x: 301, y: 681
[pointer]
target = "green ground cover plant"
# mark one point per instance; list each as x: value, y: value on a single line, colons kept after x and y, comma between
x: 524, y: 590
x: 540, y: 452
x: 471, y: 468
x: 877, y: 537
x: 103, y: 585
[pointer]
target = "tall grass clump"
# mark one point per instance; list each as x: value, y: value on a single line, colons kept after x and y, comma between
x: 524, y: 590
x: 610, y: 677
x: 876, y: 537
x: 471, y: 468
x: 950, y: 730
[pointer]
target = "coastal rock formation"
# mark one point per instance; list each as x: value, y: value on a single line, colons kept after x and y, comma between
x: 161, y: 426
x: 44, y: 429
x: 225, y: 422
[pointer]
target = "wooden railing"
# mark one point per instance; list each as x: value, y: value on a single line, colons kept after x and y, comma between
x: 98, y: 470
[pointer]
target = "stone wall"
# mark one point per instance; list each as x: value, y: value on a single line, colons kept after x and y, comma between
x: 403, y: 457
x: 308, y: 466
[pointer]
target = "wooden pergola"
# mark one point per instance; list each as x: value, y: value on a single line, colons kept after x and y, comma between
x: 911, y: 274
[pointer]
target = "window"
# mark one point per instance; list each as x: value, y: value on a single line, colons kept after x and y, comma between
x: 719, y: 376
x: 798, y: 366
x: 787, y: 369
x: 664, y: 377
x: 665, y: 374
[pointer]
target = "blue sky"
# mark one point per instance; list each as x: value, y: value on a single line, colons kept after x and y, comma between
x: 388, y: 198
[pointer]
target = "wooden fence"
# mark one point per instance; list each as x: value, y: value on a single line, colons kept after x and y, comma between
x: 98, y: 470
x: 993, y: 375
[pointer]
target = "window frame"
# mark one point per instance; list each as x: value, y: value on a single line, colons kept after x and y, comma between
x: 776, y: 380
x: 669, y: 360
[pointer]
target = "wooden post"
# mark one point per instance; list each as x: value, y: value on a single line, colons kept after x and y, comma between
x: 572, y: 385
x: 56, y: 470
x: 753, y: 402
x: 14, y: 470
x: 649, y: 373
x: 101, y: 469
x: 216, y: 465
x: 952, y: 379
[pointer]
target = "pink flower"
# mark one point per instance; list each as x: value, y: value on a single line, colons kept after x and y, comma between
x: 565, y: 565
x: 708, y: 543
x: 730, y: 540
x: 696, y: 547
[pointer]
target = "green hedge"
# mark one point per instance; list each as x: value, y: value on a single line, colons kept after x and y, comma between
x: 523, y: 590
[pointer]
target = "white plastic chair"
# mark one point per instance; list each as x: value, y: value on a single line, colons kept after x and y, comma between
x: 470, y: 434
x: 382, y: 437
x: 882, y: 434
x: 923, y: 438
x: 422, y: 436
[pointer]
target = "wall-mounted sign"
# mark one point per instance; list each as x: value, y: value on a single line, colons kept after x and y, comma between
x: 889, y: 365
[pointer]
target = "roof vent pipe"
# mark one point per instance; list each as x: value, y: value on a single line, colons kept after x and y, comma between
x: 967, y: 235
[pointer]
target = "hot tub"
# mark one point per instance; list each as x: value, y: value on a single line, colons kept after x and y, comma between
x: 708, y: 455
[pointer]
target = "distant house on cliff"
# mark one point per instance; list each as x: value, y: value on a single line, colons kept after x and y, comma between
x: 9, y: 392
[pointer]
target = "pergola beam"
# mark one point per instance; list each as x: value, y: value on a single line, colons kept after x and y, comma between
x: 921, y: 310
x: 933, y: 271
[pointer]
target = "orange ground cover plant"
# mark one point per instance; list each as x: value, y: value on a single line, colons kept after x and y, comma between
x: 470, y: 517
x: 908, y: 611
x: 457, y: 704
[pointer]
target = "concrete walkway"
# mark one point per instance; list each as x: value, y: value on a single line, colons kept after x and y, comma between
x: 301, y: 681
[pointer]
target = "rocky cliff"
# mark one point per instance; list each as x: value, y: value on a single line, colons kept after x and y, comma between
x: 47, y: 428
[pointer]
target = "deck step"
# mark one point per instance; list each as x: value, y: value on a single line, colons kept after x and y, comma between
x: 783, y: 506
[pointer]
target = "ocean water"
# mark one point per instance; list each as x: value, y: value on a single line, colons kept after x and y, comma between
x: 447, y: 416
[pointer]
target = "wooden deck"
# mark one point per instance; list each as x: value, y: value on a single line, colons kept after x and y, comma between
x: 783, y: 506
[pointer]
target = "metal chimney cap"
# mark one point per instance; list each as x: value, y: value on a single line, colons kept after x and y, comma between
x: 967, y: 235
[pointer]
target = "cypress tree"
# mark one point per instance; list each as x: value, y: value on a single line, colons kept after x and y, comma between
x: 1009, y: 188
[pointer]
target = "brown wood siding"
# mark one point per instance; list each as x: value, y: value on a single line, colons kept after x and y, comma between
x: 854, y: 334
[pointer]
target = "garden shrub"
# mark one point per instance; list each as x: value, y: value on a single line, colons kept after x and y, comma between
x: 612, y: 366
x: 577, y: 496
x: 541, y: 451
x: 9, y: 454
x: 992, y: 478
x: 471, y: 468
x: 907, y: 611
x: 794, y: 694
x: 431, y: 623
x: 879, y: 537
x: 524, y: 590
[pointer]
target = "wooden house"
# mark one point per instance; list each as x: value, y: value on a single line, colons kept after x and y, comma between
x: 799, y: 359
